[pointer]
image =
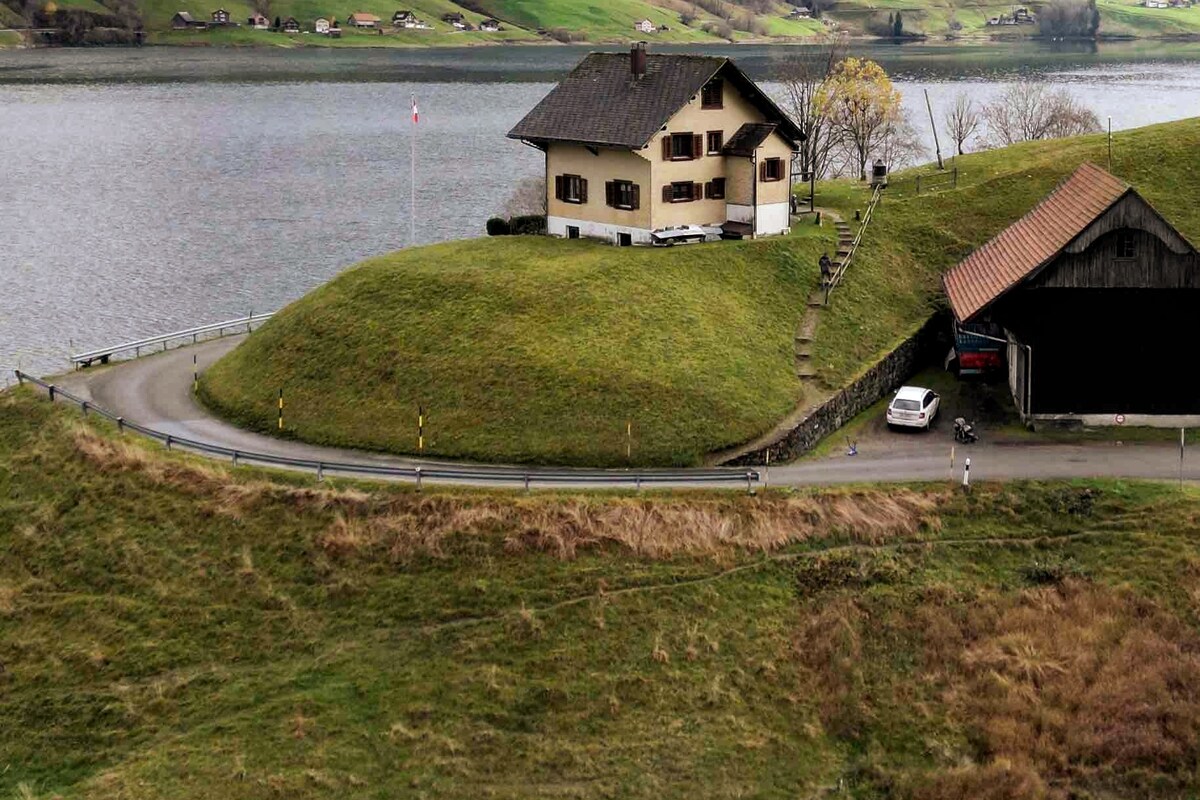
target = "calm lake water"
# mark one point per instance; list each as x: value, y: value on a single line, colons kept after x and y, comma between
x: 154, y: 189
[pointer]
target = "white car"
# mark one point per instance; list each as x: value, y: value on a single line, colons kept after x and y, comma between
x: 912, y: 407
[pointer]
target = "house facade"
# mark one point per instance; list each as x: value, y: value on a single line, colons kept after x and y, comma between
x: 637, y: 143
x: 1094, y: 294
x: 321, y: 25
x: 184, y: 21
x: 220, y: 17
x: 490, y: 25
x: 361, y: 19
x: 291, y: 25
x: 644, y: 26
x: 258, y: 22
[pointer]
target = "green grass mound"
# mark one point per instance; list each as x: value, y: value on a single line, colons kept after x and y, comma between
x: 173, y: 629
x: 894, y: 283
x: 531, y: 349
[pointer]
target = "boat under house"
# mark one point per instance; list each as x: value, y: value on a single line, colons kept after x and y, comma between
x: 1095, y: 297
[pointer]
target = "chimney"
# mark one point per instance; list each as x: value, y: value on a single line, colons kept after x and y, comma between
x: 637, y: 60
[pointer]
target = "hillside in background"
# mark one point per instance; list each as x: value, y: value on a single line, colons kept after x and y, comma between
x: 173, y: 629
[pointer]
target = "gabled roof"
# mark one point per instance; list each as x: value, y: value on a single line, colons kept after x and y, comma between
x: 747, y: 138
x: 601, y: 102
x: 1032, y: 241
x: 364, y: 15
x: 184, y: 15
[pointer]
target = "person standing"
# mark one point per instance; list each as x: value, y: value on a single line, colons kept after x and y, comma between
x: 826, y: 269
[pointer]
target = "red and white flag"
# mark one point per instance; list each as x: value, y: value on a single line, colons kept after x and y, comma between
x: 416, y: 114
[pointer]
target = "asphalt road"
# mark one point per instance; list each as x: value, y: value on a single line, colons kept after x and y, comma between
x: 156, y: 391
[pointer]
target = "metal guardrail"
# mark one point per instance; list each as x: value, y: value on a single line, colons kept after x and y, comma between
x: 104, y: 354
x: 478, y: 474
x: 866, y: 220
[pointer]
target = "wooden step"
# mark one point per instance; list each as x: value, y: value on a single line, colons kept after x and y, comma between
x: 807, y: 373
x: 803, y: 340
x: 803, y: 355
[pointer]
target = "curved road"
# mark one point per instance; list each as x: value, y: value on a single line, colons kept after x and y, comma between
x: 155, y: 391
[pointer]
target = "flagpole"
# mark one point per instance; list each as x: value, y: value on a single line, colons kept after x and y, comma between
x: 412, y: 179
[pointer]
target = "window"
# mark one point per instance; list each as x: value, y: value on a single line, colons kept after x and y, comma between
x: 928, y: 399
x: 771, y: 169
x: 715, y: 189
x: 622, y: 194
x: 682, y: 146
x: 716, y: 140
x: 1126, y: 245
x: 710, y: 95
x: 572, y: 231
x: 570, y: 188
x: 682, y: 192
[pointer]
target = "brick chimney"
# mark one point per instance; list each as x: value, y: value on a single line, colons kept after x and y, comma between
x: 637, y: 59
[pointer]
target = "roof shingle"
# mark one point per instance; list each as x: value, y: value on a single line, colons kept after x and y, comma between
x: 1032, y: 241
x: 601, y: 103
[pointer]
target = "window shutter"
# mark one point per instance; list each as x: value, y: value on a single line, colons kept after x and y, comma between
x: 558, y: 187
x: 667, y: 193
x: 697, y: 145
x: 610, y: 193
x: 666, y: 143
x: 636, y: 197
x: 762, y: 171
x: 708, y: 189
x: 697, y: 191
x: 583, y: 190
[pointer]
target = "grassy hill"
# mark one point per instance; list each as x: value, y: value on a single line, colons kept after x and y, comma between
x: 171, y: 629
x: 536, y: 349
x: 894, y: 284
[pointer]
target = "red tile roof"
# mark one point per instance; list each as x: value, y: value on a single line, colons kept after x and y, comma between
x: 1032, y: 241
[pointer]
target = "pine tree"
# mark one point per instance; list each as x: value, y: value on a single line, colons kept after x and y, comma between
x: 898, y: 26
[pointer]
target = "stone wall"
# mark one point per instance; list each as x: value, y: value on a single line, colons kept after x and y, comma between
x: 928, y: 345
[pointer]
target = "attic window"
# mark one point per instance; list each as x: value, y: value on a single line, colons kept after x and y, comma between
x: 710, y: 95
x: 1126, y: 245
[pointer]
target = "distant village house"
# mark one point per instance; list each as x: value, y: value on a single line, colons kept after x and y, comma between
x: 645, y: 26
x: 290, y: 25
x: 321, y: 25
x: 457, y: 20
x: 258, y: 22
x: 361, y: 19
x: 220, y: 17
x: 183, y: 20
x: 489, y: 25
x: 637, y: 144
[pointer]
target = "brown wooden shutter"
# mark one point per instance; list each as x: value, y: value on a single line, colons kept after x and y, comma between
x: 558, y: 187
x: 636, y: 197
x: 583, y: 190
x: 697, y: 145
x: 666, y: 143
x: 697, y: 191
x: 708, y: 189
x: 762, y: 171
x: 610, y: 193
x: 667, y: 193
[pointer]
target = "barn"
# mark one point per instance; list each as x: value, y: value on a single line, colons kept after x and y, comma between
x: 1096, y: 297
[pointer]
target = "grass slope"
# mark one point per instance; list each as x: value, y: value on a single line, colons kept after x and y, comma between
x: 536, y: 349
x: 171, y: 629
x: 894, y: 284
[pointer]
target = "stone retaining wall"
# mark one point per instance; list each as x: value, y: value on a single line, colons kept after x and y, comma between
x: 926, y: 346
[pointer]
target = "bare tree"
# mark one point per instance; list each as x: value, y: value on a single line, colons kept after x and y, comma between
x: 527, y: 198
x: 900, y: 143
x: 1029, y: 111
x: 963, y: 120
x: 804, y: 100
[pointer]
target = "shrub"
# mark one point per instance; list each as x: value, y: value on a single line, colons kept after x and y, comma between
x: 498, y: 226
x: 527, y: 225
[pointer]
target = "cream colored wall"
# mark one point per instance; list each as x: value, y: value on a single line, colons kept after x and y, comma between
x: 735, y: 112
x: 572, y: 159
x: 775, y: 191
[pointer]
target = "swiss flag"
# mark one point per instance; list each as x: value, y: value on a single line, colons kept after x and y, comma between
x: 416, y: 114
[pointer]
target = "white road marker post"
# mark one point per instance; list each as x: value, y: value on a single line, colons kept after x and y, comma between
x: 767, y: 471
x: 1181, y: 443
x: 951, y: 463
x: 967, y: 475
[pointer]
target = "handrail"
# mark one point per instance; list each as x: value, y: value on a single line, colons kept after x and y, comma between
x: 866, y: 220
x: 478, y: 473
x: 105, y: 353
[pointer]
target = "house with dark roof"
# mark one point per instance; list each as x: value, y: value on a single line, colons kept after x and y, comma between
x: 638, y: 143
x: 361, y: 19
x: 1093, y: 296
x: 291, y: 25
x: 183, y: 20
x: 220, y: 17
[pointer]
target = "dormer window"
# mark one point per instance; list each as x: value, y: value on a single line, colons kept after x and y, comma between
x: 1126, y: 245
x: 710, y: 95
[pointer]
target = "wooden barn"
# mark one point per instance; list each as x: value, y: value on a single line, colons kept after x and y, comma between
x: 1097, y: 297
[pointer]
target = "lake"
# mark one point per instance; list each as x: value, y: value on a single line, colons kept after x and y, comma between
x: 152, y: 189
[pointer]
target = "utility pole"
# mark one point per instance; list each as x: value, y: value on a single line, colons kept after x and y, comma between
x: 936, y: 144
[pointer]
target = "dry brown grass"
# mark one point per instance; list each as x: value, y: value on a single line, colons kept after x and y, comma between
x: 399, y: 526
x: 1073, y: 685
x: 403, y: 527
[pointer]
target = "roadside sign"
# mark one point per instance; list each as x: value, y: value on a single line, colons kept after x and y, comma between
x: 1119, y: 419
